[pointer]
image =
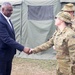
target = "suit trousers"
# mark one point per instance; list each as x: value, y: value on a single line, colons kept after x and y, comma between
x: 5, y: 67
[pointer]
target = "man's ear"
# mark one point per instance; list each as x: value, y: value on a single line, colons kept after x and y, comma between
x: 2, y: 9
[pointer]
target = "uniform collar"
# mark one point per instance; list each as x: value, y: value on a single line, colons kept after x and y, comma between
x: 64, y: 30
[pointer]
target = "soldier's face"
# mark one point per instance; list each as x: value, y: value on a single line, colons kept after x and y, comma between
x: 58, y: 21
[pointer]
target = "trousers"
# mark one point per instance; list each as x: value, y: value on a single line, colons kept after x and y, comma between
x: 5, y: 67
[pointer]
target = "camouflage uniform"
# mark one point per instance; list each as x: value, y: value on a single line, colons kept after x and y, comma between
x: 73, y: 24
x: 73, y: 21
x: 70, y: 8
x: 64, y: 43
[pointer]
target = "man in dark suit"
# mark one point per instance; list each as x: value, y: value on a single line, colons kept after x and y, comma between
x: 8, y: 44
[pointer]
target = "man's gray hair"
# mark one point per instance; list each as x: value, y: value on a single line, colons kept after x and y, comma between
x: 5, y: 3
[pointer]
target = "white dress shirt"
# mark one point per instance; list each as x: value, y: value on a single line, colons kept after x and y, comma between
x: 7, y: 18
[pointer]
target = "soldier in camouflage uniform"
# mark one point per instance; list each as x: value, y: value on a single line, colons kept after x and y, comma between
x: 64, y: 41
x: 70, y: 8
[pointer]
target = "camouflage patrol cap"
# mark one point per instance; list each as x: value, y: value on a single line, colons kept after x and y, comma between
x: 68, y: 7
x: 65, y: 16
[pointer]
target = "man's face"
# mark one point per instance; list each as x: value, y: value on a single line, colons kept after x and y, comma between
x: 7, y: 10
x: 70, y: 12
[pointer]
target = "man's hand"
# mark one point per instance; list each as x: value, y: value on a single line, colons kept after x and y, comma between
x: 26, y: 50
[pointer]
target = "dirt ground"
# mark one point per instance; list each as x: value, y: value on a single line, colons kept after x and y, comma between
x: 33, y: 67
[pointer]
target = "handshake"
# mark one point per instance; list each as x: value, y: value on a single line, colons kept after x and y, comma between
x: 28, y: 50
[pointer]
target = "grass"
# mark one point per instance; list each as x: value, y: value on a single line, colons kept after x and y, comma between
x: 23, y: 66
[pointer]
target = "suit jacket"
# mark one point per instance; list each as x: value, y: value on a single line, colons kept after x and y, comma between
x: 8, y: 44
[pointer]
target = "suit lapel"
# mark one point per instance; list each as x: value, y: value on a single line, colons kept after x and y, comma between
x: 5, y: 22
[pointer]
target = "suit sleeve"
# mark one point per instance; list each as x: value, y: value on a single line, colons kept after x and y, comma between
x: 5, y: 37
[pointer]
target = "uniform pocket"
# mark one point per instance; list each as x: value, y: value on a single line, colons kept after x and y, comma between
x: 73, y: 69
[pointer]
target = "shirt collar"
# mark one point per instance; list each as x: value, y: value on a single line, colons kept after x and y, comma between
x: 7, y: 18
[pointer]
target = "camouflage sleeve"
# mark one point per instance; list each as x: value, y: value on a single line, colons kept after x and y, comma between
x: 71, y: 47
x: 44, y: 46
x: 73, y: 27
